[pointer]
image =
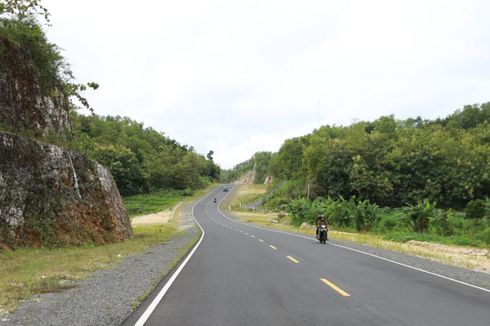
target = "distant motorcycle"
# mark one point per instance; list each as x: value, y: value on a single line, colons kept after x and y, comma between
x: 323, y: 233
x: 215, y: 200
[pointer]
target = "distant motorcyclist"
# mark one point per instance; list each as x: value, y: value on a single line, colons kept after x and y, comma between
x: 319, y: 221
x: 215, y: 200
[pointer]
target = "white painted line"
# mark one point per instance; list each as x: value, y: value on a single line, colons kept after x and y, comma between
x: 252, y: 236
x: 261, y: 240
x: 144, y: 317
x: 358, y: 251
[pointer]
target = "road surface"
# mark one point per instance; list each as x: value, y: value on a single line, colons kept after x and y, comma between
x: 243, y: 275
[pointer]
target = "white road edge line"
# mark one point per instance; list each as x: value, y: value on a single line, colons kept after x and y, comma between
x: 144, y: 317
x: 356, y: 250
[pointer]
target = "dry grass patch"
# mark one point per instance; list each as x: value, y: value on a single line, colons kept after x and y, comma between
x: 246, y: 194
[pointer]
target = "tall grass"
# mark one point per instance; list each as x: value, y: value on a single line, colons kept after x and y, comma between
x: 153, y: 202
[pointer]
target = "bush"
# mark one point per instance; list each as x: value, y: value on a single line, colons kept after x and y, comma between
x: 485, y: 235
x: 387, y: 223
x: 342, y: 212
x: 420, y: 215
x: 475, y: 209
x: 298, y: 208
x: 367, y: 215
x: 441, y: 224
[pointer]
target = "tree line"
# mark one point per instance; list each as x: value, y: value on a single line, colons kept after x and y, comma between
x: 258, y: 163
x: 389, y: 162
x: 141, y: 159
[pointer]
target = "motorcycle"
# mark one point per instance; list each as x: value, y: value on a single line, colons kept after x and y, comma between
x: 215, y: 200
x: 323, y: 233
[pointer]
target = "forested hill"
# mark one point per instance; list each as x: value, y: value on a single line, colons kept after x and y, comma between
x: 391, y: 162
x: 139, y: 158
x: 258, y: 163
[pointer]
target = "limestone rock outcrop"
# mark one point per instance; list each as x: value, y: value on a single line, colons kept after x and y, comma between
x: 26, y: 104
x: 53, y: 196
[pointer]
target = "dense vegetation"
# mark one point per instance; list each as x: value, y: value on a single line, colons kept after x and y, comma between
x: 259, y: 163
x: 394, y: 163
x: 21, y: 30
x: 141, y: 159
x: 413, y: 177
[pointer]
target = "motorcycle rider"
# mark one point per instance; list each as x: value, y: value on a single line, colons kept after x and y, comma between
x: 319, y: 221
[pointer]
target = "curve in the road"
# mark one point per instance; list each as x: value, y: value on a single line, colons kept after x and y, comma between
x: 358, y: 251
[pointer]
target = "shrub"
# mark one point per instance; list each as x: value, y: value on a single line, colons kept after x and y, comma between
x: 298, y: 208
x: 475, y: 209
x: 366, y: 215
x: 441, y: 224
x: 387, y: 223
x: 485, y: 235
x: 420, y: 215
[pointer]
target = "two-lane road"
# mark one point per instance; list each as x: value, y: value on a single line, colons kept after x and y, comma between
x: 244, y: 275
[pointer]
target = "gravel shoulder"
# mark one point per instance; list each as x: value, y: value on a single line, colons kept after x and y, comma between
x: 109, y: 296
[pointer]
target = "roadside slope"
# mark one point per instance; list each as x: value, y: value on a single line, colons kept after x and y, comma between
x: 109, y: 296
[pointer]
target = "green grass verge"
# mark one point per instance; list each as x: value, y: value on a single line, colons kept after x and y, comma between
x: 246, y: 194
x: 391, y: 240
x: 151, y: 203
x: 25, y: 272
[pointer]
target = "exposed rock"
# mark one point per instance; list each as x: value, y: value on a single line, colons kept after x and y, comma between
x: 52, y: 196
x: 24, y: 103
x: 248, y: 178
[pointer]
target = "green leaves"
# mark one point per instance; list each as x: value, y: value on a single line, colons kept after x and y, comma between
x: 140, y: 158
x: 24, y: 10
x: 395, y: 163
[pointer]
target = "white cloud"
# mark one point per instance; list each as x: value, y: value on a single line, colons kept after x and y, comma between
x: 241, y: 76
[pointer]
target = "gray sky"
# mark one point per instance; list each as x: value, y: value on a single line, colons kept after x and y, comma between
x: 238, y: 77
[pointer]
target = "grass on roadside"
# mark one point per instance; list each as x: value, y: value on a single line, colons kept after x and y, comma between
x: 151, y: 203
x: 246, y: 194
x: 28, y: 271
x: 25, y: 272
x: 476, y: 260
x: 455, y: 255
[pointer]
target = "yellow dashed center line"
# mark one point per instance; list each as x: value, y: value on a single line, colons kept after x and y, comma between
x: 293, y: 260
x: 273, y: 247
x: 335, y: 287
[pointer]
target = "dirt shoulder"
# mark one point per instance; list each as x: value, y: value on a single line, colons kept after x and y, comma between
x: 156, y: 218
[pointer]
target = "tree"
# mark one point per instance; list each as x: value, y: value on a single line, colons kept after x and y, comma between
x: 124, y: 166
x: 24, y: 10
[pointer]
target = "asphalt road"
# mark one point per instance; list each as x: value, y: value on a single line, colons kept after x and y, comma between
x: 243, y: 275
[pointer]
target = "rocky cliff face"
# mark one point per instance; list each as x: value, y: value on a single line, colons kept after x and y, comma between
x: 24, y: 103
x: 48, y: 195
x: 53, y: 196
